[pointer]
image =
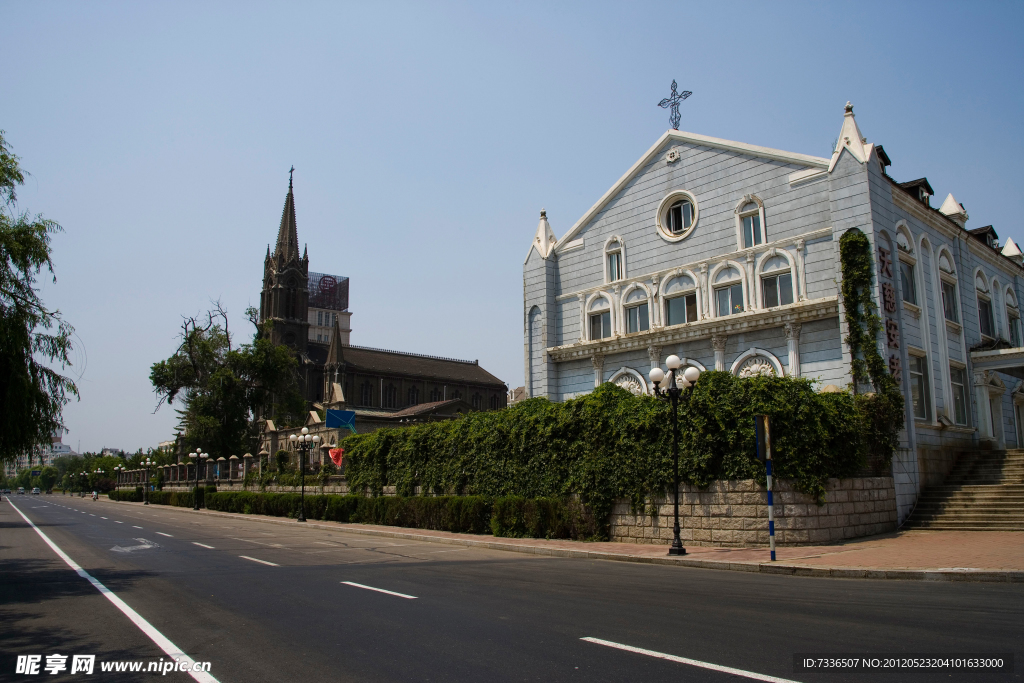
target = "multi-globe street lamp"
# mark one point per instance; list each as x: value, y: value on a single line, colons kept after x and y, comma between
x: 304, y: 443
x: 676, y: 389
x: 147, y: 463
x: 199, y: 456
x: 118, y: 470
x: 81, y: 484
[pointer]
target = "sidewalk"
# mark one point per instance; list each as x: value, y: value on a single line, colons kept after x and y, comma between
x: 991, y: 556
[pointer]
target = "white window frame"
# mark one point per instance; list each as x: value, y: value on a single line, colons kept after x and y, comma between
x: 714, y: 286
x: 614, y: 245
x: 929, y: 407
x: 594, y: 308
x: 951, y: 409
x: 741, y: 214
x: 759, y: 274
x: 682, y: 295
x: 1013, y: 318
x: 662, y: 222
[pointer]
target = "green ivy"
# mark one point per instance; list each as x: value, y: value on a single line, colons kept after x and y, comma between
x: 882, y: 412
x: 611, y: 444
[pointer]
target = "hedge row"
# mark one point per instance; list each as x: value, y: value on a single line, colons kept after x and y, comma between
x: 611, y: 444
x: 184, y: 499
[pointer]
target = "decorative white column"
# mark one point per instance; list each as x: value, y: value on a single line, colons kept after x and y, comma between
x: 654, y: 353
x: 598, y: 360
x: 752, y: 303
x: 718, y: 343
x: 801, y: 278
x: 583, y: 316
x: 705, y: 299
x: 618, y: 326
x: 655, y: 303
x: 793, y: 342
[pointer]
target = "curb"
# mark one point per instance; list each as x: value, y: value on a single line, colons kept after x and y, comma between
x: 970, y: 575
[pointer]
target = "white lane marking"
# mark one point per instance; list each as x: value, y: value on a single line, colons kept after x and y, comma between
x: 136, y: 527
x: 169, y: 648
x: 118, y: 522
x: 272, y: 545
x: 379, y: 590
x: 163, y: 534
x: 146, y: 545
x: 102, y: 517
x: 202, y: 545
x: 691, y: 662
x: 91, y: 515
x: 246, y: 557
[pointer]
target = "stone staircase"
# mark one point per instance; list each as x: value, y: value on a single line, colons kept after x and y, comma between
x: 983, y: 492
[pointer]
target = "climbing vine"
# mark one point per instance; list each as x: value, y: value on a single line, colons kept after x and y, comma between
x: 882, y: 412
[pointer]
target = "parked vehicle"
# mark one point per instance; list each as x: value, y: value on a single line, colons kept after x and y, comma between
x: 35, y: 491
x: 21, y: 490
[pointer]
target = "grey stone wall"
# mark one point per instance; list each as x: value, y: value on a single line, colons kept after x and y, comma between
x: 735, y: 513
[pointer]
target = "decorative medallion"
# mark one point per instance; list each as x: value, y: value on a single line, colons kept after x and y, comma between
x: 630, y: 384
x: 757, y: 365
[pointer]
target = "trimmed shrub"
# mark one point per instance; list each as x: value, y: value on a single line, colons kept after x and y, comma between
x: 174, y: 498
x: 517, y: 517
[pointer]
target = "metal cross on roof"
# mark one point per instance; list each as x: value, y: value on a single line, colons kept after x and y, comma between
x: 672, y: 102
x: 291, y: 171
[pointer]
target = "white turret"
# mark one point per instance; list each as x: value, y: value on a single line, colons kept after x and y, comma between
x: 1011, y: 251
x: 851, y: 140
x: 954, y: 210
x: 545, y: 240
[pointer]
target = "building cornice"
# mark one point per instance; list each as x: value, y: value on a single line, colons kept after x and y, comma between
x: 804, y: 311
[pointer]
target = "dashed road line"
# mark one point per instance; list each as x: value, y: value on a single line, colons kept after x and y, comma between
x: 380, y: 590
x: 203, y: 545
x: 136, y: 527
x: 246, y: 557
x: 163, y: 534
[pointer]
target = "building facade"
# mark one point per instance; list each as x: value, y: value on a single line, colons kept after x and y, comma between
x: 727, y: 255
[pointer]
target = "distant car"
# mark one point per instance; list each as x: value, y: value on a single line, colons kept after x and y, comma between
x: 35, y: 490
x: 21, y: 490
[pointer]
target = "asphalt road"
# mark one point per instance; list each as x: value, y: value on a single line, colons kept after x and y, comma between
x: 266, y: 602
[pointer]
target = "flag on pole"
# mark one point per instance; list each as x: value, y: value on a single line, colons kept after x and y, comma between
x: 337, y: 456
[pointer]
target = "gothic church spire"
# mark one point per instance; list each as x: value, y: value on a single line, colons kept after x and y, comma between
x: 288, y: 234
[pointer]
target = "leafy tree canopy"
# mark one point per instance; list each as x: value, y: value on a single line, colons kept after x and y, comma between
x: 224, y: 390
x: 33, y: 338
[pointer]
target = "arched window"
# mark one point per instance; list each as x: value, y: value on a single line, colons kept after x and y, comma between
x: 599, y: 318
x: 750, y: 222
x: 494, y: 402
x: 947, y: 283
x: 986, y: 322
x: 776, y: 281
x: 456, y: 394
x: 436, y: 394
x: 907, y: 264
x: 389, y: 399
x: 366, y: 393
x: 728, y: 288
x: 614, y: 259
x: 477, y: 401
x: 636, y: 310
x: 1012, y: 318
x: 414, y: 396
x: 680, y: 300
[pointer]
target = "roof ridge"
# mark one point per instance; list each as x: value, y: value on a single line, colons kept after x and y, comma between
x: 415, y: 355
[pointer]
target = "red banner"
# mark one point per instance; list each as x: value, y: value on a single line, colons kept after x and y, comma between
x: 336, y: 455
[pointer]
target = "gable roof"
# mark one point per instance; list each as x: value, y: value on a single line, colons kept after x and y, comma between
x: 697, y: 139
x: 382, y: 361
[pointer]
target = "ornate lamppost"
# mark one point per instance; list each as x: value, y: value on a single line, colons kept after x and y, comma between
x: 304, y: 442
x: 98, y: 472
x: 198, y: 456
x: 117, y: 476
x: 81, y: 484
x: 675, y: 390
x: 147, y: 463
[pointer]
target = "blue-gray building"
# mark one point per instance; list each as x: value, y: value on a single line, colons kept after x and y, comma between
x: 727, y: 255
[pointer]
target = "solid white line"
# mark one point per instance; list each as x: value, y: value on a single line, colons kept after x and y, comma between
x: 379, y: 590
x: 169, y: 648
x: 246, y: 557
x: 163, y: 534
x: 691, y: 662
x: 202, y: 545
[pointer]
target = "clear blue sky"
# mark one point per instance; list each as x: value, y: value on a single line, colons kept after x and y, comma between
x: 426, y: 137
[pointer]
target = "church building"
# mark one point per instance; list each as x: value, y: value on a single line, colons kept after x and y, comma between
x: 309, y: 312
x: 727, y: 254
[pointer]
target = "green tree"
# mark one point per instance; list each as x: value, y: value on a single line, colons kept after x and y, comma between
x: 33, y: 338
x: 225, y: 390
x: 47, y: 477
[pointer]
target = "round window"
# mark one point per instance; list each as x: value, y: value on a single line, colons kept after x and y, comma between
x: 677, y: 216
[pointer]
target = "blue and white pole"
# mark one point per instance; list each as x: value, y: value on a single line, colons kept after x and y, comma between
x: 768, y: 472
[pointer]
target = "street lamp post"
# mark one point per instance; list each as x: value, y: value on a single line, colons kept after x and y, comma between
x: 145, y: 488
x: 304, y: 442
x: 117, y: 476
x: 672, y: 394
x: 198, y: 455
x: 82, y: 483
